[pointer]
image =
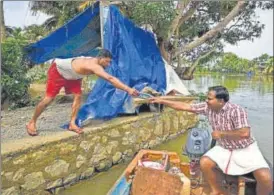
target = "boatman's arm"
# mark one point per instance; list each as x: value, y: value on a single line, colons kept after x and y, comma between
x: 172, y: 104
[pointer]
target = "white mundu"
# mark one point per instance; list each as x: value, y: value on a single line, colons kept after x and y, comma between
x: 64, y: 67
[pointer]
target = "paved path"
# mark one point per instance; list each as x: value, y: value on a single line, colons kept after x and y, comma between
x: 13, y: 122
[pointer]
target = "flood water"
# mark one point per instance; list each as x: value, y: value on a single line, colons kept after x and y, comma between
x: 254, y: 94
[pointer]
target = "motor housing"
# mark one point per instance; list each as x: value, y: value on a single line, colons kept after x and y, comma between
x: 198, y: 143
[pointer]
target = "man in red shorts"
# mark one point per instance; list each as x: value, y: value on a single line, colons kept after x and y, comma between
x: 68, y: 73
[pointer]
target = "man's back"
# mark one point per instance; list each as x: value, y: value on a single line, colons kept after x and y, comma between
x: 84, y: 65
x: 76, y: 68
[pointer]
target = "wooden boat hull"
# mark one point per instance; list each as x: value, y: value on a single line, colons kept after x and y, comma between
x: 123, y: 186
x: 124, y: 183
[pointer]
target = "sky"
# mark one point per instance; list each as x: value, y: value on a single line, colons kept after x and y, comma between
x: 17, y: 13
x: 264, y: 44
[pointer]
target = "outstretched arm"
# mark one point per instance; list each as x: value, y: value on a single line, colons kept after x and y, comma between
x: 99, y: 71
x: 172, y: 104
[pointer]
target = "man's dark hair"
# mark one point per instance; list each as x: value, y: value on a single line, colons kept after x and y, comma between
x: 104, y: 53
x: 221, y: 92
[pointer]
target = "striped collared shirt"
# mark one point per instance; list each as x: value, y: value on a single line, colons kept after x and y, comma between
x: 230, y: 118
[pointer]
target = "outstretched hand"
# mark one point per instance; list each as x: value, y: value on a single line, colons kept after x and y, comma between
x: 155, y: 100
x: 133, y: 92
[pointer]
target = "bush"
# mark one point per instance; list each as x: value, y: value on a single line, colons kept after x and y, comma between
x: 38, y: 73
x: 13, y: 80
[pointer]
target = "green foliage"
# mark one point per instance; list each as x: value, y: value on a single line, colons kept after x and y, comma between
x: 262, y: 59
x: 30, y: 33
x: 13, y: 81
x: 38, y: 73
x: 61, y: 11
x: 34, y: 32
x: 159, y: 15
x: 269, y: 66
x: 264, y: 63
x: 230, y: 62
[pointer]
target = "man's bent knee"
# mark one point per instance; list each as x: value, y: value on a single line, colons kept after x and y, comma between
x: 206, y: 162
x: 264, y: 178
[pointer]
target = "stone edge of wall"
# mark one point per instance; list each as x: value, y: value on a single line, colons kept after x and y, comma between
x: 11, y: 150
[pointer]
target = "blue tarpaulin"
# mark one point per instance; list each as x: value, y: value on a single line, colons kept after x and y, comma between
x: 136, y: 61
x: 79, y: 37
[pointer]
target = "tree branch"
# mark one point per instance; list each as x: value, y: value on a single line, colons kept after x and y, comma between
x: 179, y: 12
x: 204, y: 56
x: 189, y: 13
x: 215, y: 30
x: 190, y: 71
x: 202, y: 10
x: 235, y: 24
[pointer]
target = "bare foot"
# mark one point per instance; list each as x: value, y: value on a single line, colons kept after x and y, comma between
x: 31, y: 129
x: 75, y: 128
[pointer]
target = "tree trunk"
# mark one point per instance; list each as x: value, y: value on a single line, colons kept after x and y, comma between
x: 179, y: 19
x: 4, y: 97
x: 188, y: 72
x: 214, y: 31
x: 3, y: 29
x: 163, y: 51
x: 176, y: 45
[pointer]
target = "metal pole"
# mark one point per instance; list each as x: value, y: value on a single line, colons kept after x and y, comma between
x: 102, y: 22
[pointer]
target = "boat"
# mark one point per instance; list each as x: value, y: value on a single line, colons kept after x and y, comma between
x: 163, y: 173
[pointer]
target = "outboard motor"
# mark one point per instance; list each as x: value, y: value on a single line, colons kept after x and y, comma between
x: 197, y: 144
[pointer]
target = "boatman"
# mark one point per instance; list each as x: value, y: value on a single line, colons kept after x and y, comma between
x: 68, y: 73
x: 236, y: 151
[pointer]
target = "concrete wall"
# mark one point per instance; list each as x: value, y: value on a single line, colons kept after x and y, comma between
x: 45, y: 165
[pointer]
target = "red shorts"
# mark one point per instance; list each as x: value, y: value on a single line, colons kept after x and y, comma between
x: 55, y: 82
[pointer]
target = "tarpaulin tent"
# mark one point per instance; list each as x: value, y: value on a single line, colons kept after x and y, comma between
x: 136, y: 58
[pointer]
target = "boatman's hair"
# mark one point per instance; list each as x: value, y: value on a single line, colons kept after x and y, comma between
x: 221, y: 92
